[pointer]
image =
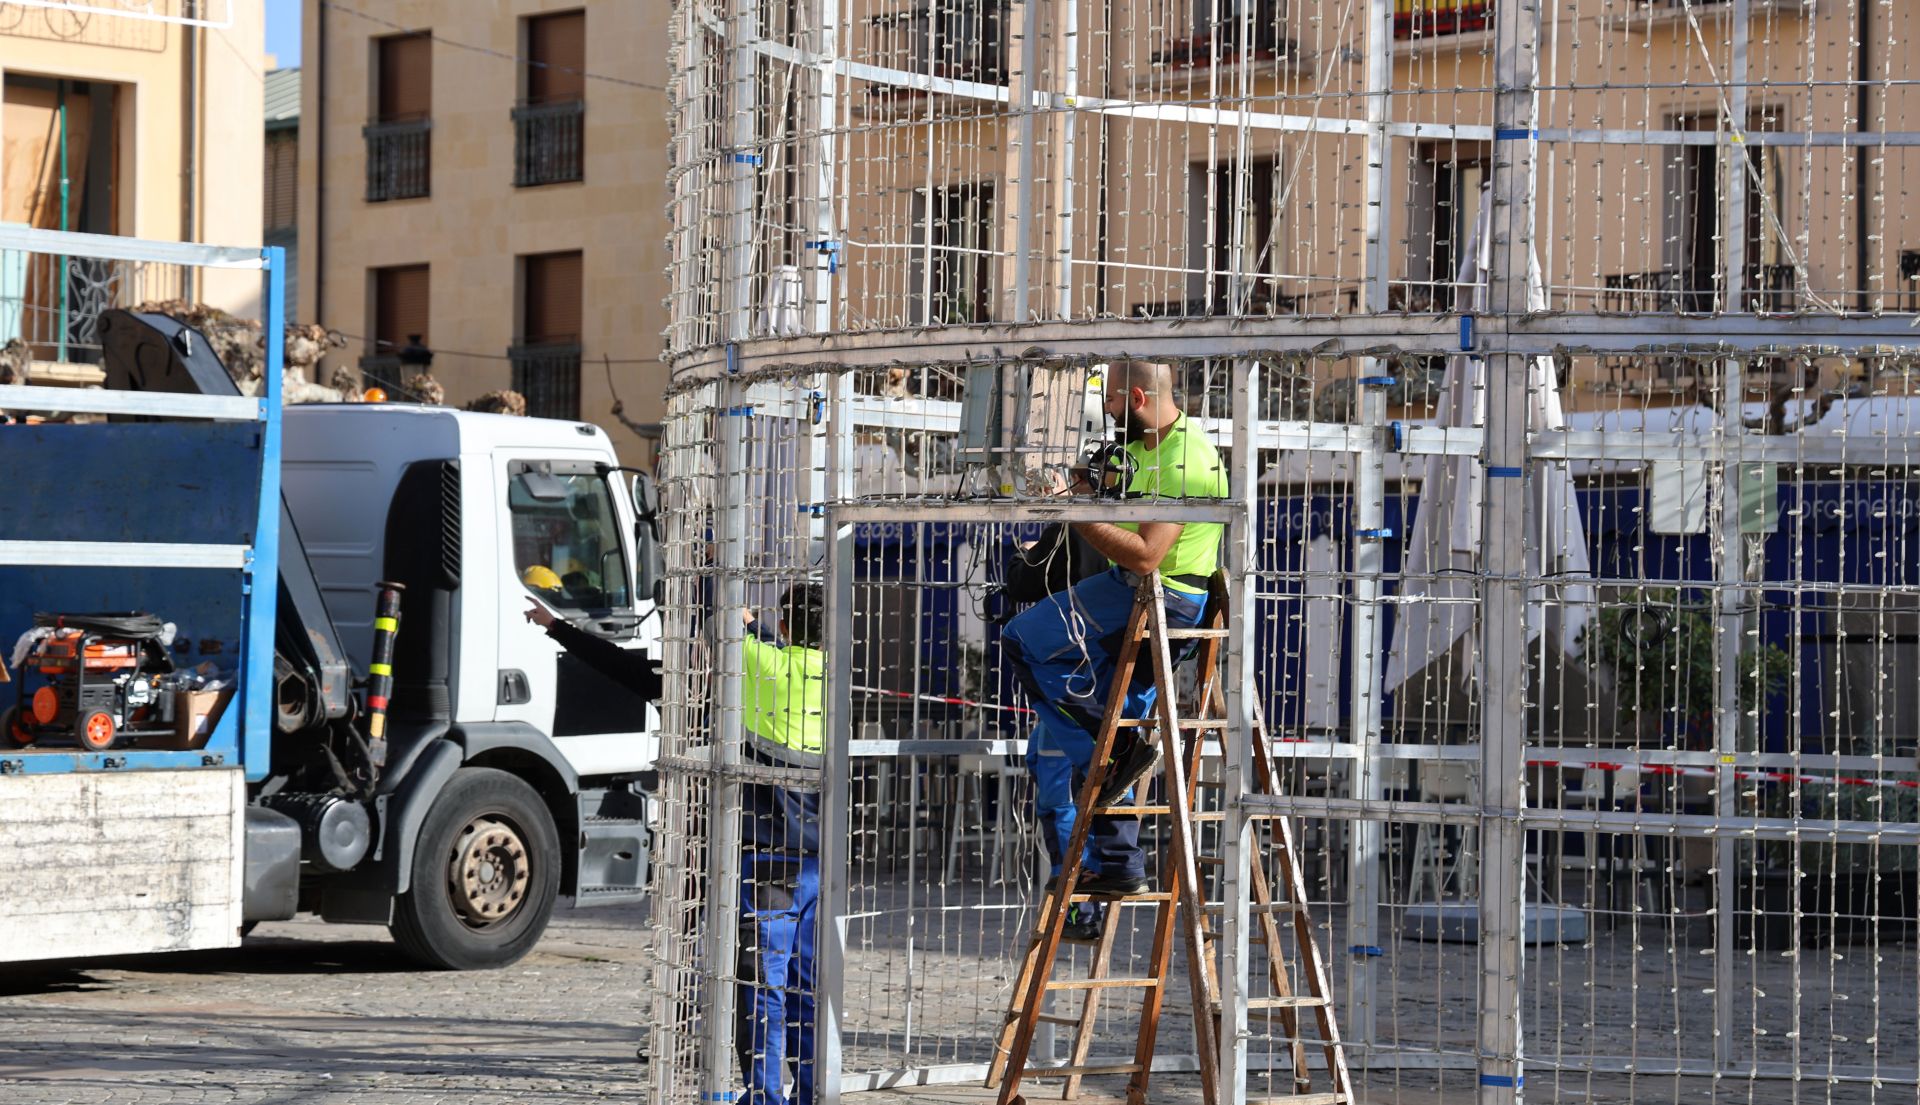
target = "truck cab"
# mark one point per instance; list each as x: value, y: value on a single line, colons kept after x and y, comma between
x: 477, y: 516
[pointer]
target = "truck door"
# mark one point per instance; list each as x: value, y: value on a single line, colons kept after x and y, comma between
x: 563, y: 541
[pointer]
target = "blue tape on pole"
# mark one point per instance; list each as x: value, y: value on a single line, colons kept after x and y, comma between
x: 1520, y: 135
x: 727, y: 1096
x: 1374, y: 534
x: 746, y: 159
x: 832, y: 249
x: 733, y: 358
x: 1399, y: 435
x: 1506, y: 473
x: 736, y: 412
x: 818, y: 510
x: 1514, y: 1081
x: 1378, y: 381
x: 1366, y: 949
x: 819, y: 403
x: 1466, y: 332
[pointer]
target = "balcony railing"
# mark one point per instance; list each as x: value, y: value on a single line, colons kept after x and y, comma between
x: 1257, y: 300
x: 960, y: 40
x: 548, y: 374
x: 1216, y: 35
x: 1431, y: 18
x: 1770, y: 289
x: 399, y: 159
x: 548, y: 146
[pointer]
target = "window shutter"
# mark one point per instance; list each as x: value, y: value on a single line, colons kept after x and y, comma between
x: 551, y: 298
x: 559, y: 43
x: 283, y: 162
x: 406, y: 76
x: 400, y: 307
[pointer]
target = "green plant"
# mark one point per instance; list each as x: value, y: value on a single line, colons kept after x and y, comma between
x: 1663, y: 656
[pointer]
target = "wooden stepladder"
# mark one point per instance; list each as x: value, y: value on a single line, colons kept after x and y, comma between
x: 1178, y: 900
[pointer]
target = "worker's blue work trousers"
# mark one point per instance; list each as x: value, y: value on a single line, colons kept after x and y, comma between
x: 1063, y: 650
x: 774, y: 1027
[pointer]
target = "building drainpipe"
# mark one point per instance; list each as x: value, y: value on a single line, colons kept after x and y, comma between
x: 318, y: 247
x: 190, y: 149
x: 65, y: 224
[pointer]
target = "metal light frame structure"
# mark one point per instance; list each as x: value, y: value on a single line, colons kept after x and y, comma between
x: 735, y: 358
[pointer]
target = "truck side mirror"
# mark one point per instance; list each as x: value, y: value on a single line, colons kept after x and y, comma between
x: 646, y: 496
x: 650, y: 565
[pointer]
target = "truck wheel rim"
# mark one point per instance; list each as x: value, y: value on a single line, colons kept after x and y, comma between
x: 487, y: 872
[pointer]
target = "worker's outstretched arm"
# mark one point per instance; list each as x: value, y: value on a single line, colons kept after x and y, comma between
x: 1140, y: 552
x: 631, y: 668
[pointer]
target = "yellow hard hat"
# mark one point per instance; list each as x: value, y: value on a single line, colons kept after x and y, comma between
x: 540, y: 578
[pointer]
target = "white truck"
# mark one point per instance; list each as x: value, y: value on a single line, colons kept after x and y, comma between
x: 499, y: 774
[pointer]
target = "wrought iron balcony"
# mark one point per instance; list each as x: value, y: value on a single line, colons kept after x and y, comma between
x: 399, y: 159
x: 1769, y: 289
x: 548, y: 143
x: 960, y: 40
x: 548, y: 375
x: 1433, y: 18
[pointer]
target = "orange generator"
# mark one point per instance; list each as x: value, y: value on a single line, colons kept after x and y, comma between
x: 99, y: 681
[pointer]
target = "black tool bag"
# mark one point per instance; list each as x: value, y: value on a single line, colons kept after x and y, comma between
x: 1057, y: 560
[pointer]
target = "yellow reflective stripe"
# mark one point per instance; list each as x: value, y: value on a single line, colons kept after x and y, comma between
x: 380, y: 669
x: 377, y: 726
x: 388, y: 624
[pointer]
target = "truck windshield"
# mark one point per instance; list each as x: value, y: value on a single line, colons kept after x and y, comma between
x: 566, y: 546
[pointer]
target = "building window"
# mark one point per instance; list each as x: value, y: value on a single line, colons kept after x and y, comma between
x: 399, y: 151
x: 549, y: 121
x: 546, y: 359
x: 400, y: 298
x: 1443, y: 212
x: 962, y: 40
x: 952, y: 270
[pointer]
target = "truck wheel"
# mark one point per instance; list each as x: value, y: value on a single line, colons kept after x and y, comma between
x: 486, y: 869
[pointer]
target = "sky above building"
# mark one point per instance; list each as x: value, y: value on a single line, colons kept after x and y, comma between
x: 283, y: 31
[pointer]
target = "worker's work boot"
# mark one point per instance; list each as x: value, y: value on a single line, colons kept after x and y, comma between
x: 1127, y: 766
x: 1112, y: 886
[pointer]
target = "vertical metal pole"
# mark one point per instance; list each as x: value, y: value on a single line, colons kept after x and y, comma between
x: 1365, y: 835
x: 1063, y: 173
x: 826, y: 264
x: 723, y: 815
x: 263, y: 565
x: 1024, y: 183
x: 1502, y: 663
x: 1729, y: 620
x: 1236, y: 755
x: 723, y: 791
x: 836, y: 806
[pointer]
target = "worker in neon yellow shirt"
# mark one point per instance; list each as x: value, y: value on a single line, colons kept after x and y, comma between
x: 1063, y: 649
x: 783, y: 704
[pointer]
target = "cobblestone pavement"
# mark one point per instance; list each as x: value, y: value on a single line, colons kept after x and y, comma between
x: 313, y: 1014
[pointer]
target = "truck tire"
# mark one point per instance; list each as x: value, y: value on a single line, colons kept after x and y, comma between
x: 486, y: 870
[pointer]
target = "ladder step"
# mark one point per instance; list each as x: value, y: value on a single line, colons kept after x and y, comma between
x: 1256, y: 908
x: 1185, y: 723
x: 1120, y: 810
x: 1085, y: 1069
x: 1298, y: 1001
x: 1149, y: 896
x: 1196, y: 634
x: 1056, y: 1018
x: 1102, y: 983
